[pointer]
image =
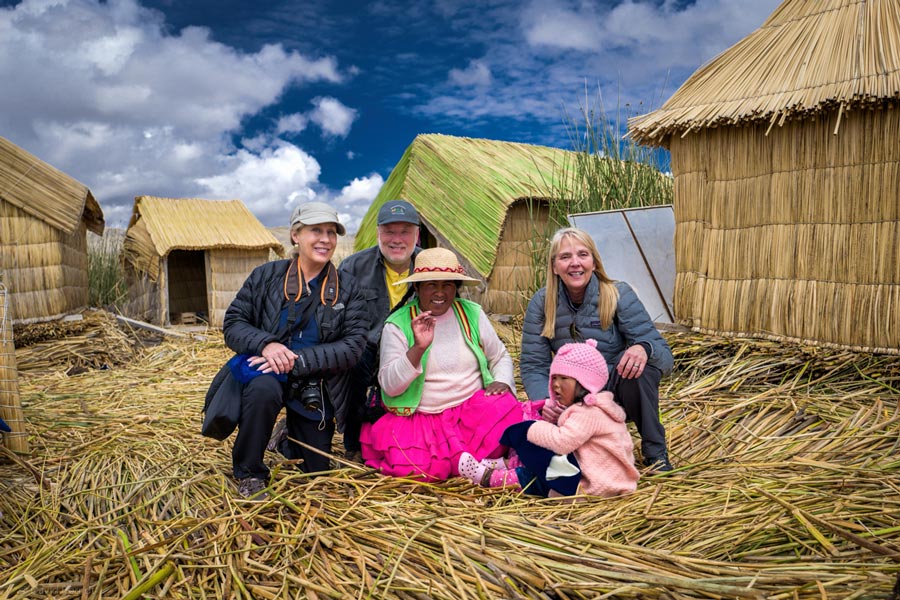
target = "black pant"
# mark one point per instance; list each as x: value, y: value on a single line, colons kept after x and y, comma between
x: 261, y: 401
x: 361, y: 377
x: 317, y: 434
x: 640, y: 399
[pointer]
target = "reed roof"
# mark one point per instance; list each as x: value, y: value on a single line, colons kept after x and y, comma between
x: 196, y: 224
x: 45, y: 192
x: 809, y: 56
x: 462, y: 188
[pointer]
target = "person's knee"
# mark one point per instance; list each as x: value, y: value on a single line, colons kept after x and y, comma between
x: 650, y: 377
x: 263, y: 393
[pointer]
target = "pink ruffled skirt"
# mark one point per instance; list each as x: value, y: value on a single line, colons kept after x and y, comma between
x: 427, y: 446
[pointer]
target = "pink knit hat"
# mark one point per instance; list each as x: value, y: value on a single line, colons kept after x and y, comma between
x: 583, y: 363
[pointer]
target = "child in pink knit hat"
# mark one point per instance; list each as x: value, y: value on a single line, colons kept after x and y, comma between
x: 591, y: 427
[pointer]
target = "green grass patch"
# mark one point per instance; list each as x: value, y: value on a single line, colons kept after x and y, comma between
x: 106, y: 278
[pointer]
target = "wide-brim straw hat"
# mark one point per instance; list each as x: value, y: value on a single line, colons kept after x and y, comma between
x: 438, y: 264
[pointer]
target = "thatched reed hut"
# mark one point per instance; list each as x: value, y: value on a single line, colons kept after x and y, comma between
x: 186, y: 258
x: 486, y: 200
x: 44, y: 219
x: 786, y: 157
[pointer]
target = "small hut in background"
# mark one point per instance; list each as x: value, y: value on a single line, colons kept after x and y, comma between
x: 44, y: 219
x: 185, y: 259
x: 486, y: 200
x: 786, y: 157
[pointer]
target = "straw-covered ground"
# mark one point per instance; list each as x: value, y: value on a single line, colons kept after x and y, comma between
x: 787, y: 486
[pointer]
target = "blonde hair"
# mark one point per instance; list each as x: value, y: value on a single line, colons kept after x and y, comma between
x: 608, y: 295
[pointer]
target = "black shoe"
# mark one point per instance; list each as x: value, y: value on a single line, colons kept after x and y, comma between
x: 658, y: 464
x: 253, y: 488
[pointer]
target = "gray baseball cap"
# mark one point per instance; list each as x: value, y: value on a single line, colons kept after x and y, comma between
x: 315, y: 213
x: 397, y: 211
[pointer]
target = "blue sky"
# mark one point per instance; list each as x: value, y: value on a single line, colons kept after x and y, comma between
x: 278, y: 102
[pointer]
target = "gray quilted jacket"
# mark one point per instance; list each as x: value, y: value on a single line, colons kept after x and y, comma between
x: 631, y: 325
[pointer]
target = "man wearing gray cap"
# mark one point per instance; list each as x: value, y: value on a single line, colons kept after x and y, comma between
x: 376, y: 269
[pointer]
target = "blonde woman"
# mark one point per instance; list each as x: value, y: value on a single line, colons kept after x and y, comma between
x: 297, y: 328
x: 580, y: 302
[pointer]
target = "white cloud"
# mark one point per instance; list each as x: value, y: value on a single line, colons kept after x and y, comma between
x: 102, y: 91
x: 636, y: 51
x: 257, y: 143
x: 355, y: 198
x: 105, y: 91
x: 332, y: 116
x: 477, y: 73
x: 668, y: 34
x: 112, y: 52
x: 550, y: 24
x: 294, y: 123
x: 361, y: 189
x: 270, y: 183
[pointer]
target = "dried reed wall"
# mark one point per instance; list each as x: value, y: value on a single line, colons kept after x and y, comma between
x: 226, y: 274
x: 142, y: 302
x: 522, y: 245
x: 794, y: 234
x: 46, y: 268
x: 10, y: 402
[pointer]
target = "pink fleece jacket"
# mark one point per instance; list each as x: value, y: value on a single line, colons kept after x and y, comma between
x: 595, y: 431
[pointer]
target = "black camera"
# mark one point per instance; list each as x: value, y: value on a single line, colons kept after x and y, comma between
x: 310, y: 395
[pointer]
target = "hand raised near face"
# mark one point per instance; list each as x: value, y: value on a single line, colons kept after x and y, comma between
x: 423, y: 329
x: 552, y: 410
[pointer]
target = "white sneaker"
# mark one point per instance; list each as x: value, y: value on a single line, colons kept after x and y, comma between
x: 470, y: 468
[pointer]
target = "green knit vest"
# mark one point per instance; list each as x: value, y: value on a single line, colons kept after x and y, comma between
x: 467, y: 314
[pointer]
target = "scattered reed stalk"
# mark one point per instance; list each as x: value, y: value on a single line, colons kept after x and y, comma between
x: 787, y: 486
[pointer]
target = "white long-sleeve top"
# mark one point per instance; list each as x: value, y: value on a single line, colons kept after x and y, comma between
x: 451, y: 371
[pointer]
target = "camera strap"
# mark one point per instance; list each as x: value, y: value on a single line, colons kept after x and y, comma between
x: 293, y: 323
x: 296, y: 290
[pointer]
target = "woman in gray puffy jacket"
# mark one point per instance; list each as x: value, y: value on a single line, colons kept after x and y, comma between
x: 581, y: 302
x: 297, y: 329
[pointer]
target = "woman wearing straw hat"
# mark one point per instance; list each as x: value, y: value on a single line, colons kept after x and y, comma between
x: 581, y: 302
x: 446, y: 379
x: 297, y: 328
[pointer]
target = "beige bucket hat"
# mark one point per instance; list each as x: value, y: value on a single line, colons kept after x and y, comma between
x: 316, y: 213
